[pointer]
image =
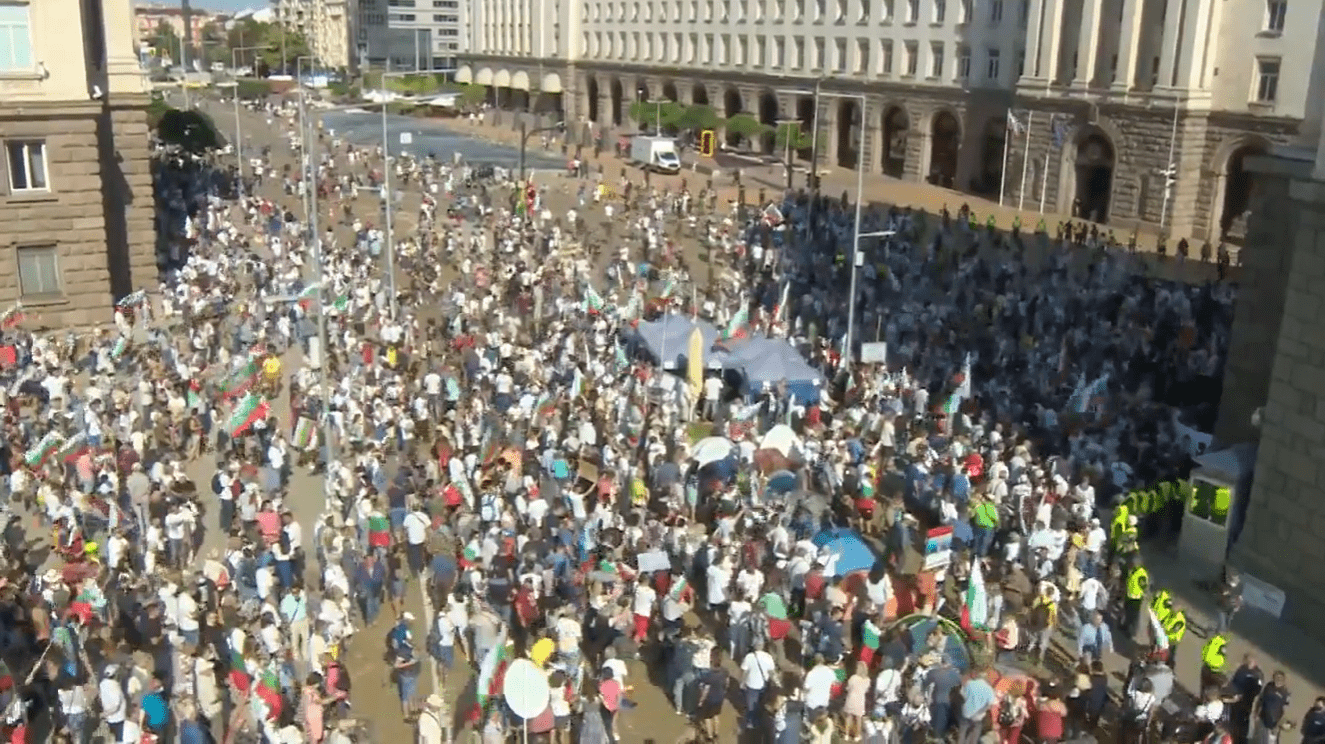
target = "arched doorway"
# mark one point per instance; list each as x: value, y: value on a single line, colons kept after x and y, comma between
x: 669, y: 92
x: 945, y: 139
x: 1094, y: 171
x: 896, y: 125
x: 731, y: 106
x: 848, y: 133
x: 768, y: 116
x: 617, y: 97
x: 592, y: 90
x: 699, y: 95
x: 1239, y: 184
x: 992, y: 140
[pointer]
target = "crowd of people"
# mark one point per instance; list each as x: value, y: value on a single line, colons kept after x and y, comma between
x: 919, y: 547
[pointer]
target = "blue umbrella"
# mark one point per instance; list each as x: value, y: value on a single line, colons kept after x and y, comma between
x: 853, y: 553
x: 781, y: 482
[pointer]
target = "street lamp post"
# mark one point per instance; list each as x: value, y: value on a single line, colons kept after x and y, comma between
x: 860, y: 198
x: 526, y: 133
x: 792, y: 129
x: 239, y: 141
x: 306, y: 166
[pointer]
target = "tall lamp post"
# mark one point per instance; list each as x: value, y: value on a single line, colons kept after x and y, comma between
x: 860, y: 195
x: 307, y: 170
x: 239, y: 141
x: 386, y: 187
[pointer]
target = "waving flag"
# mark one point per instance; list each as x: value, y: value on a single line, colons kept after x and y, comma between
x: 593, y: 302
x: 975, y: 606
x: 269, y: 691
x: 1086, y: 397
x: 43, y: 449
x: 12, y: 317
x: 238, y: 382
x: 239, y: 678
x: 736, y: 326
x: 133, y: 299
x: 490, y: 671
x: 247, y: 412
x: 72, y: 448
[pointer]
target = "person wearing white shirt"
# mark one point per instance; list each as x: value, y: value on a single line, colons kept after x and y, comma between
x: 416, y: 525
x: 758, y: 669
x: 642, y: 606
x: 113, y: 703
x: 819, y: 686
x: 719, y: 576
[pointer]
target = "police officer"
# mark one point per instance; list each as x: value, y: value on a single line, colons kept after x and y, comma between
x: 1213, y: 661
x: 1175, y: 627
x: 1138, y: 583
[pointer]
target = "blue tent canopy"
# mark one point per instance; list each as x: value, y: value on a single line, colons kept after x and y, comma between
x: 772, y: 361
x: 853, y: 553
x: 670, y: 336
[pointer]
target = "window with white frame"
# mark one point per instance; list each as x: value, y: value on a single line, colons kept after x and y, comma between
x: 691, y: 49
x: 886, y: 11
x: 779, y: 10
x: 940, y: 10
x: 912, y: 11
x: 39, y: 271
x: 708, y: 11
x: 912, y: 59
x: 964, y: 11
x: 27, y: 165
x: 1021, y: 62
x: 885, y: 56
x: 1275, y: 11
x: 798, y: 53
x: 1267, y: 79
x: 839, y: 55
x: 800, y: 11
x: 864, y: 12
x: 996, y: 12
x: 820, y: 10
x: 742, y: 50
x: 862, y: 56
x: 993, y: 64
x: 761, y: 51
x: 585, y: 49
x: 726, y: 10
x: 820, y: 53
x: 936, y: 59
x: 742, y: 7
x: 779, y: 52
x: 841, y: 12
x: 964, y: 62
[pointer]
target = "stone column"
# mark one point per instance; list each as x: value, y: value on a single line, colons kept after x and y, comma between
x: 1052, y: 43
x: 1088, y: 43
x: 1168, y: 49
x: 871, y: 136
x: 123, y: 74
x: 1129, y: 43
x: 1194, y: 27
x: 1033, y: 40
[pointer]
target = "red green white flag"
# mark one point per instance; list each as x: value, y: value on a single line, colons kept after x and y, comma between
x: 269, y: 692
x: 379, y: 531
x: 239, y: 678
x: 247, y: 412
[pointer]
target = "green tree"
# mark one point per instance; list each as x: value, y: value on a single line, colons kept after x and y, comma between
x: 745, y: 127
x: 215, y: 45
x: 165, y: 41
x: 472, y: 95
x: 699, y: 117
x: 791, y: 134
x: 191, y: 131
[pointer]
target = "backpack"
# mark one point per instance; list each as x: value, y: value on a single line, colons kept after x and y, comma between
x: 1007, y: 715
x: 217, y: 486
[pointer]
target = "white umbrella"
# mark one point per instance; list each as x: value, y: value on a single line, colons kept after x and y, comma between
x: 712, y: 449
x: 782, y: 439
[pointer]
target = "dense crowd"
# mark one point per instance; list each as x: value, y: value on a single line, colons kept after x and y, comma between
x: 585, y: 453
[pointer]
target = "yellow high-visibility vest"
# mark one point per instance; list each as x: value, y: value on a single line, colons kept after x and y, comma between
x: 1212, y: 653
x: 1162, y: 605
x: 1175, y: 627
x: 1137, y: 583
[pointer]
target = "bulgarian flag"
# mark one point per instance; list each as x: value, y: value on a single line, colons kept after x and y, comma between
x: 593, y: 302
x: 269, y: 692
x: 546, y: 405
x: 43, y: 449
x: 247, y: 412
x: 12, y: 317
x: 342, y: 303
x: 303, y: 432
x: 310, y: 293
x: 490, y: 671
x: 379, y: 531
x: 975, y: 605
x: 239, y: 678
x: 73, y: 448
x: 736, y: 326
x: 6, y: 677
x: 242, y: 378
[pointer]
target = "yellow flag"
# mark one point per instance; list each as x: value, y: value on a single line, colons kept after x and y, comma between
x: 695, y: 363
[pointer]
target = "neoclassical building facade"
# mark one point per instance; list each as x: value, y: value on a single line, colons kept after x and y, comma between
x: 1108, y: 104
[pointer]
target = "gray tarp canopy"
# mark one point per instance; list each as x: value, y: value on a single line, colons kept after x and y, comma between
x: 668, y: 338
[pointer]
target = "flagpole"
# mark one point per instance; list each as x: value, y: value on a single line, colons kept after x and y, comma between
x: 1003, y: 172
x: 1025, y: 161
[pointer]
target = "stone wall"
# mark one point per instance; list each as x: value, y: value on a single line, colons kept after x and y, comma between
x: 1283, y: 541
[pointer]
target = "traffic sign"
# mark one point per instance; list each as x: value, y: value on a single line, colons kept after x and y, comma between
x: 526, y: 689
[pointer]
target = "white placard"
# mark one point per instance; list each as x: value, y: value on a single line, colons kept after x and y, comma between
x: 1265, y: 597
x: 654, y: 560
x: 525, y: 689
x: 875, y: 352
x: 406, y: 138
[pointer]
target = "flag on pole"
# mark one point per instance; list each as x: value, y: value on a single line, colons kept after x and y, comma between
x: 242, y: 378
x: 310, y: 291
x: 1086, y: 397
x: 490, y: 669
x: 622, y: 361
x: 133, y: 299
x: 975, y: 606
x: 781, y: 308
x: 121, y: 345
x: 379, y: 530
x: 239, y: 678
x: 546, y: 406
x: 247, y: 412
x: 303, y: 432
x: 736, y: 326
x: 772, y: 216
x: 963, y: 390
x: 269, y: 691
x: 342, y: 304
x: 43, y: 449
x: 1014, y: 124
x: 593, y: 302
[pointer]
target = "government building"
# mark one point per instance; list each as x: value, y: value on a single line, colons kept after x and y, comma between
x: 76, y: 202
x: 1125, y: 112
